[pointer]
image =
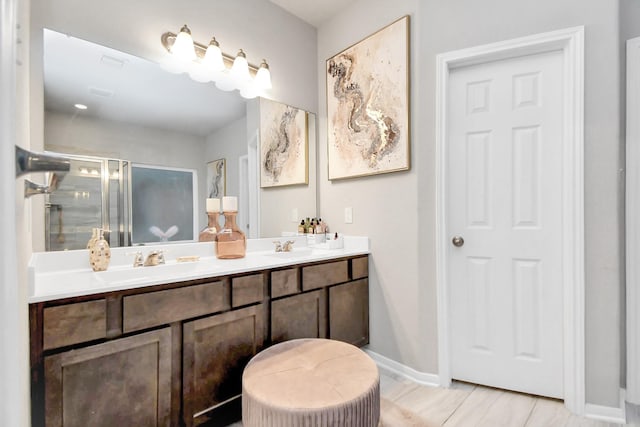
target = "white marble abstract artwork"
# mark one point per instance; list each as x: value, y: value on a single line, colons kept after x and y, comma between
x: 283, y: 145
x: 368, y: 105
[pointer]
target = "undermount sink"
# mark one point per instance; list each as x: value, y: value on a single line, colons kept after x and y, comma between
x: 293, y: 254
x: 124, y: 275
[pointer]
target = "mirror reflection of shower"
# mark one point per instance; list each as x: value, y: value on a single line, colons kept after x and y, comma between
x: 92, y: 195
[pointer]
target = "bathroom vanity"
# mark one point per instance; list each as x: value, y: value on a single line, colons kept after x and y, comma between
x: 166, y: 345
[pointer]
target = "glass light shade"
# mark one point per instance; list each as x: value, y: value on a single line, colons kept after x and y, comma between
x: 263, y: 77
x: 250, y: 91
x: 225, y: 83
x: 173, y: 65
x: 182, y: 47
x: 240, y: 70
x: 212, y: 60
x: 199, y: 73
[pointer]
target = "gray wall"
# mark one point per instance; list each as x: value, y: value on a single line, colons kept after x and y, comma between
x: 403, y: 282
x: 385, y: 207
x: 629, y: 28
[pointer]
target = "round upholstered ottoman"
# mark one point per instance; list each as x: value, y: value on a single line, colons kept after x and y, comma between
x: 311, y: 382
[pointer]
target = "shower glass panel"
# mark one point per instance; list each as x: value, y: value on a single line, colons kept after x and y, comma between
x: 75, y: 207
x: 93, y: 194
x: 118, y: 202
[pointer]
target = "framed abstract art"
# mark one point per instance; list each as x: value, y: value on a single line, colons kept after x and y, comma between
x: 368, y: 105
x: 216, y: 179
x: 284, y: 156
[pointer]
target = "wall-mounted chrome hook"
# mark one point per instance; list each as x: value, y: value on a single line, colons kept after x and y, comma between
x: 28, y: 161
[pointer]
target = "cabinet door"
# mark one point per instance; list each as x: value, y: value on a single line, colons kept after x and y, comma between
x: 299, y: 316
x: 215, y: 352
x: 125, y: 382
x: 349, y: 312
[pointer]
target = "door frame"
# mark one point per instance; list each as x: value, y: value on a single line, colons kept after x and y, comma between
x: 632, y: 222
x: 570, y: 42
x: 14, y: 372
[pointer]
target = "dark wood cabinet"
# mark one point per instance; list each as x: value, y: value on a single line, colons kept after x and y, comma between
x: 215, y: 352
x: 349, y: 312
x: 74, y: 323
x: 299, y: 316
x: 124, y: 382
x: 173, y: 355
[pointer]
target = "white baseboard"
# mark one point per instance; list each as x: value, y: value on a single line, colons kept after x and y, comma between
x: 404, y: 371
x: 609, y: 414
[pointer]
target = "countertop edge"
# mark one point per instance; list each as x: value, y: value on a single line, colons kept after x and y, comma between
x: 271, y: 264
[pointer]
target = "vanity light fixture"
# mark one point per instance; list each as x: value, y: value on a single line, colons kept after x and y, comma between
x: 210, y: 64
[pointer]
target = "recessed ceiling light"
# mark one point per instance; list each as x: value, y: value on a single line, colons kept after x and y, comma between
x: 106, y: 93
x: 80, y: 106
x: 111, y: 61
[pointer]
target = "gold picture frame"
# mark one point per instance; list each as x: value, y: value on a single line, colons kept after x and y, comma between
x: 368, y: 105
x: 284, y: 145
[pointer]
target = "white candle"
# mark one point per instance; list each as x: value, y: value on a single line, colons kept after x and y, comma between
x: 230, y: 204
x: 213, y: 205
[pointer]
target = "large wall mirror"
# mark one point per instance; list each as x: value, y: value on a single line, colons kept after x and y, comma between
x: 113, y: 110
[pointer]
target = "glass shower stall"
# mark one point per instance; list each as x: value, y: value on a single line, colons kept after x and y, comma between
x: 95, y: 193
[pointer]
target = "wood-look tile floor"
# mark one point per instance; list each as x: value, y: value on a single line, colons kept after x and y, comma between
x: 407, y: 404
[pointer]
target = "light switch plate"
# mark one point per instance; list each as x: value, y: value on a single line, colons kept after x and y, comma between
x: 348, y: 215
x: 294, y: 215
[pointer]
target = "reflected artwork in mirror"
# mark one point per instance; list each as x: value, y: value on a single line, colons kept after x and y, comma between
x: 284, y: 158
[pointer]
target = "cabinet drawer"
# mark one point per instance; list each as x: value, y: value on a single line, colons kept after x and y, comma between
x: 360, y: 267
x: 162, y: 307
x: 318, y: 276
x: 247, y: 290
x: 284, y: 282
x: 74, y: 323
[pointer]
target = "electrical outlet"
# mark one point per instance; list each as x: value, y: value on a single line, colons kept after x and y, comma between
x: 348, y: 215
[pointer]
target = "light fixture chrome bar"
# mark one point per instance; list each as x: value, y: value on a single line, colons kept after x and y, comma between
x: 169, y: 38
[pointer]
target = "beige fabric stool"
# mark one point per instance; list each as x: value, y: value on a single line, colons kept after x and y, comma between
x: 311, y: 382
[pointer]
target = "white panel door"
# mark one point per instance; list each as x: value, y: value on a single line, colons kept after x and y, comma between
x: 504, y: 200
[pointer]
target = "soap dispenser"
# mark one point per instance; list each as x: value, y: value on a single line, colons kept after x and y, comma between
x: 94, y: 237
x: 99, y: 253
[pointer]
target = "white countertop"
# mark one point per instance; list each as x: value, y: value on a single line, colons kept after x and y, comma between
x: 56, y: 275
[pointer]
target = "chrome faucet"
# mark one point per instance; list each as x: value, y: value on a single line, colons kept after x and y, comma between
x: 154, y: 258
x: 288, y: 245
x: 284, y: 247
x: 138, y: 261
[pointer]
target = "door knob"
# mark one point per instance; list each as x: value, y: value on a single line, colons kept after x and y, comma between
x: 457, y: 241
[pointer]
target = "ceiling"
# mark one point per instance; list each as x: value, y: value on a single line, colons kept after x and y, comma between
x: 315, y: 12
x: 123, y: 88
x: 120, y: 87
